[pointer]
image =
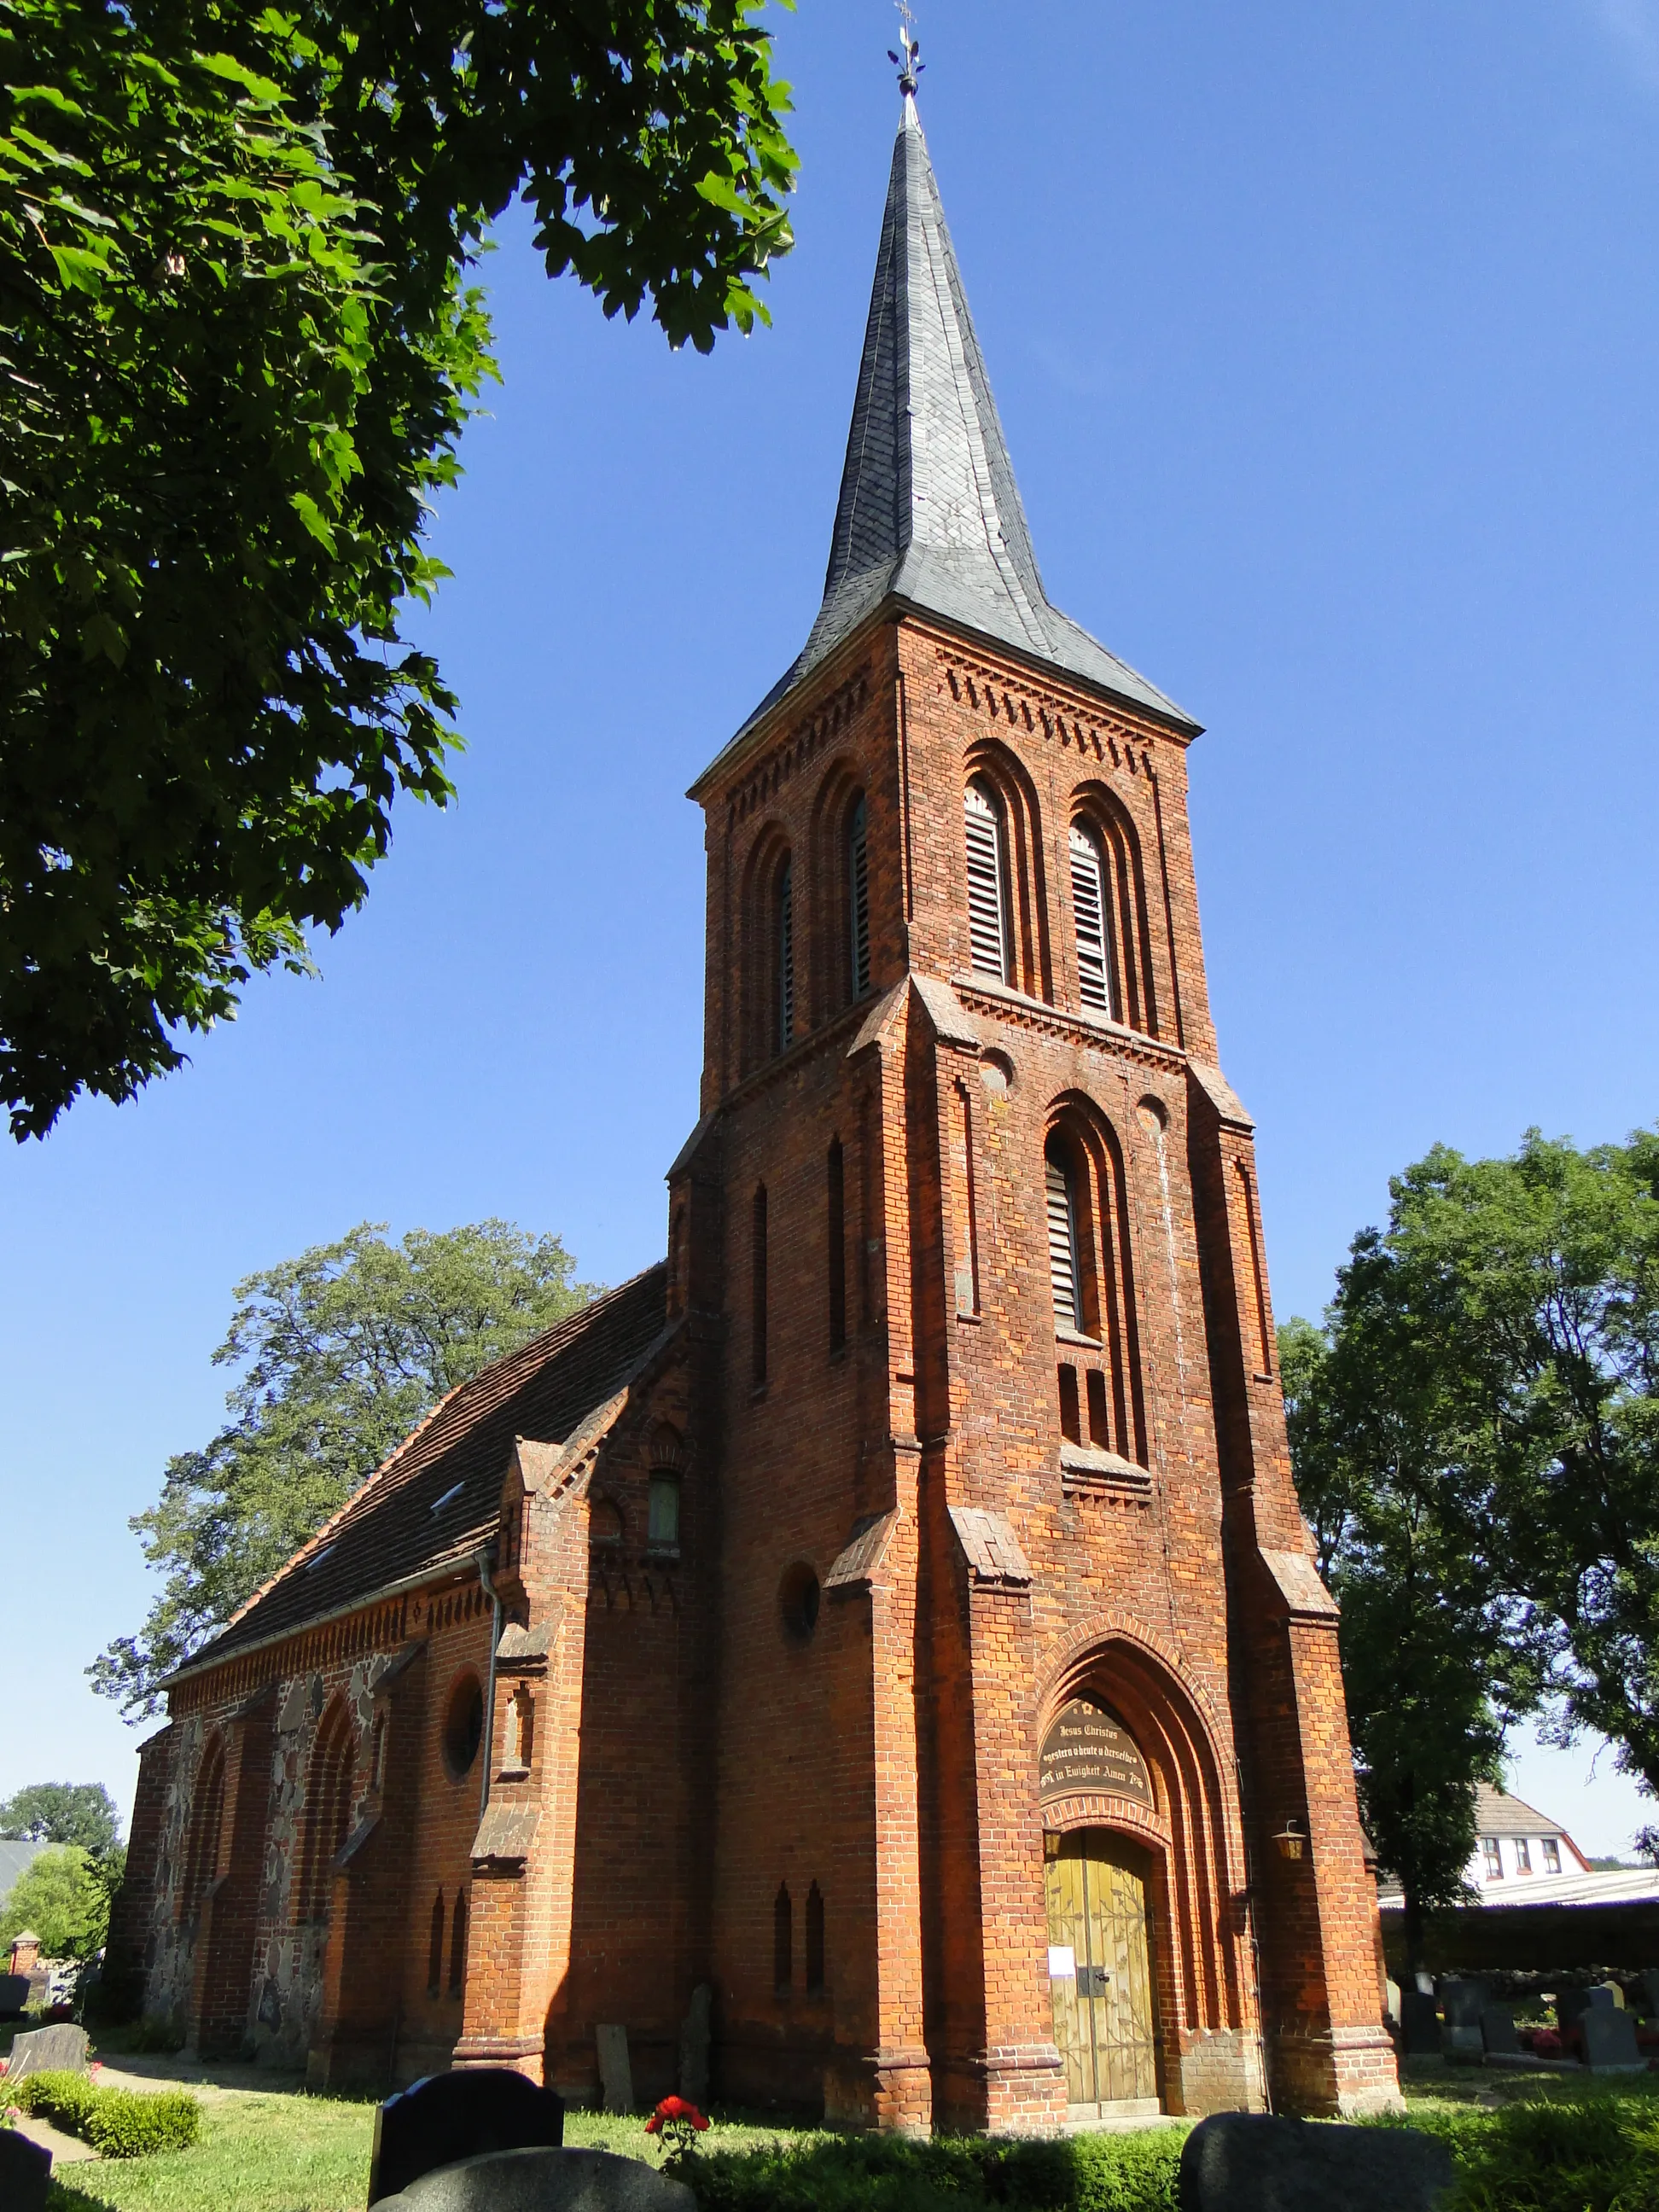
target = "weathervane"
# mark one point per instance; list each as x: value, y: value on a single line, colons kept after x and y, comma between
x: 909, y: 68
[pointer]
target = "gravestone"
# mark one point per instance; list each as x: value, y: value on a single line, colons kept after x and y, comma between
x: 545, y: 2181
x: 1258, y: 2162
x: 1460, y: 2045
x: 1571, y: 2005
x: 25, y: 2173
x: 1497, y: 2031
x: 694, y: 2046
x: 1420, y: 2024
x: 1609, y: 2039
x: 13, y: 1994
x: 615, y: 2075
x: 1650, y: 1993
x: 1463, y: 2002
x: 448, y: 2117
x: 61, y: 2048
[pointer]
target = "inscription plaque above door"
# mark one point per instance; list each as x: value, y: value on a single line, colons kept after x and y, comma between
x: 1087, y: 1747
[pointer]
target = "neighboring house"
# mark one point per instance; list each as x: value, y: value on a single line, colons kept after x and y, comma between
x: 1514, y: 1843
x: 14, y: 1858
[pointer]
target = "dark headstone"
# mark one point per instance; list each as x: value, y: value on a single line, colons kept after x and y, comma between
x: 1463, y: 2002
x: 616, y: 2074
x: 25, y: 2173
x: 58, y: 2049
x: 694, y: 2046
x: 546, y: 2181
x: 1463, y: 2046
x: 1256, y: 2163
x: 1609, y: 2037
x: 449, y: 2116
x: 1572, y: 2004
x: 13, y: 1994
x: 1420, y: 2024
x: 1650, y: 1993
x: 1497, y: 2031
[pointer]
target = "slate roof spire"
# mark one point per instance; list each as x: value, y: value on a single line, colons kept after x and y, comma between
x: 929, y: 511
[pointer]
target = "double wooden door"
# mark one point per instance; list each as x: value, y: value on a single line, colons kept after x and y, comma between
x: 1100, y: 1970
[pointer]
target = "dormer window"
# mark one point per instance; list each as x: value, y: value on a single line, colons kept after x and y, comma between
x: 1551, y: 1855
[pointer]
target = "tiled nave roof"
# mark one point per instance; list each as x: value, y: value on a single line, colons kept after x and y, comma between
x: 387, y: 1532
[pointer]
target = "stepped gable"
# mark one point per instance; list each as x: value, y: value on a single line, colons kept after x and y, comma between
x: 930, y: 513
x: 387, y: 1532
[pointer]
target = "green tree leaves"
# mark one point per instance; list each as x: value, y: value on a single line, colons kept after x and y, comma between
x: 1475, y: 1439
x: 237, y: 347
x: 341, y: 1353
x: 64, y: 1898
x: 79, y: 1813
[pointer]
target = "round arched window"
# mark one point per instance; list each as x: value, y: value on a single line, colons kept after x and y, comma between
x: 463, y: 1725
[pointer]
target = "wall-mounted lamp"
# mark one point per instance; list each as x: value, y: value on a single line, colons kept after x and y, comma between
x: 1292, y: 1841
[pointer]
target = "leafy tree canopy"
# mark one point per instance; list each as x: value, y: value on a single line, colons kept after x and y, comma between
x: 1544, y: 1268
x: 240, y: 346
x: 64, y: 1898
x: 340, y: 1353
x: 80, y: 1812
x: 1386, y: 1444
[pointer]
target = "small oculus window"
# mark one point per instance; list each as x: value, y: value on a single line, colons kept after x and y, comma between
x: 462, y: 1726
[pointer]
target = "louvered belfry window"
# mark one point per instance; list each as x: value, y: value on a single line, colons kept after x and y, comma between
x: 785, y: 955
x: 988, y: 883
x: 1062, y: 1239
x: 1095, y: 964
x: 858, y: 900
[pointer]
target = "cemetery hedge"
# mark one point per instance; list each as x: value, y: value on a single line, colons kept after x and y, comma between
x: 117, y: 2123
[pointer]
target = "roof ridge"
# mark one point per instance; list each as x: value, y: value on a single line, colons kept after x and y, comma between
x: 381, y: 1480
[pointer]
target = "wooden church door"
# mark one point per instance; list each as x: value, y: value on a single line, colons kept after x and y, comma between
x: 1100, y: 1970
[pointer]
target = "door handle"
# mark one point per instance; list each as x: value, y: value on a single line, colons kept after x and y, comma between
x: 1092, y: 1981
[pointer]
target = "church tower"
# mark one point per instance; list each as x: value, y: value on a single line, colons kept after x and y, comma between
x: 1031, y: 1789
x: 874, y: 1661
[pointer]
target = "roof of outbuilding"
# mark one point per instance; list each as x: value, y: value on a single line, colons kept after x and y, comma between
x: 389, y: 1532
x: 16, y: 1854
x: 1498, y: 1813
x: 929, y: 512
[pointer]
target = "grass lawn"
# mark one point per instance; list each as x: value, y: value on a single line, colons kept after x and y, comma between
x: 293, y: 2153
x: 1521, y: 2143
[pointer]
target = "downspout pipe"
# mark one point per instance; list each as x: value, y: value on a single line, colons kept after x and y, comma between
x: 485, y: 1561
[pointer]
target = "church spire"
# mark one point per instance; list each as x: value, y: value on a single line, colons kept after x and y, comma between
x: 929, y: 512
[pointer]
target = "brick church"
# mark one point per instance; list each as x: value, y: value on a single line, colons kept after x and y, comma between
x: 885, y: 1628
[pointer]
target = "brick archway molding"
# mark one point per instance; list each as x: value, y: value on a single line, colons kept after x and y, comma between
x: 1197, y: 1879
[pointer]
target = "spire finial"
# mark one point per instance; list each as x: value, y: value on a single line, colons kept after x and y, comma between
x: 909, y: 46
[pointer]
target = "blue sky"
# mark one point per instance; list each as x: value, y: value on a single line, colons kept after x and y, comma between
x: 1326, y: 338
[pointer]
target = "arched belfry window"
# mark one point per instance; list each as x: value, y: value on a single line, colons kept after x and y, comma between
x: 1063, y: 1271
x: 989, y: 933
x: 1096, y: 960
x: 858, y: 898
x: 785, y: 938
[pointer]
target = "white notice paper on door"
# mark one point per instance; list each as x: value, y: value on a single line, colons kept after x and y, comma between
x: 1062, y: 1962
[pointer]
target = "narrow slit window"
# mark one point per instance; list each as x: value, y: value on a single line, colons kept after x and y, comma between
x: 858, y: 899
x: 988, y: 932
x: 1062, y: 1240
x: 1097, y: 980
x: 457, y: 1946
x: 1070, y: 1425
x: 783, y: 1939
x: 435, y: 1951
x: 837, y: 1226
x: 663, y: 1523
x: 786, y: 940
x: 757, y: 1295
x: 814, y: 1940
